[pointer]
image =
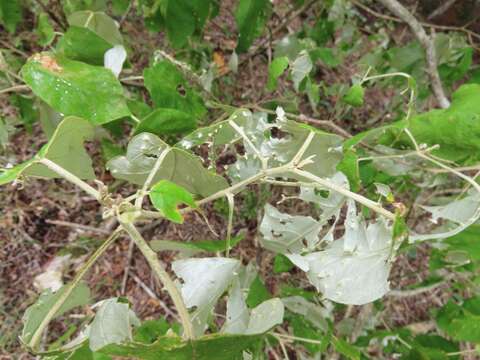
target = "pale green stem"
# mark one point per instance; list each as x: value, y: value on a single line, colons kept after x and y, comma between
x: 240, y: 132
x: 231, y: 205
x: 163, y: 276
x: 69, y: 289
x: 151, y: 176
x: 359, y: 198
x: 14, y: 89
x: 71, y: 177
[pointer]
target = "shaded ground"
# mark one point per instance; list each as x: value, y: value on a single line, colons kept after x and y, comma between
x: 28, y: 241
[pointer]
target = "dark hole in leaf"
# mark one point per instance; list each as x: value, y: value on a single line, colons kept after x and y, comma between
x: 181, y: 90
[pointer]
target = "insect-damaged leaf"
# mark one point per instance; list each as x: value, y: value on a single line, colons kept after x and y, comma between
x: 65, y: 149
x: 76, y: 88
x: 166, y: 122
x: 462, y: 213
x: 166, y: 196
x: 205, y: 280
x: 250, y: 16
x: 169, y: 89
x: 211, y: 347
x: 179, y: 166
x: 37, y: 312
x: 353, y: 277
x: 112, y: 324
x: 285, y: 233
x: 257, y: 321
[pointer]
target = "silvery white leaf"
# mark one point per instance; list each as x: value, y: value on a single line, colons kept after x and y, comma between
x: 355, y: 230
x: 330, y: 204
x: 464, y: 212
x: 314, y: 313
x: 265, y: 316
x: 244, y: 168
x: 233, y: 62
x: 237, y: 311
x: 458, y: 211
x: 356, y: 277
x: 204, y: 281
x: 383, y: 189
x: 301, y: 67
x: 114, y: 59
x: 112, y: 324
x: 285, y: 233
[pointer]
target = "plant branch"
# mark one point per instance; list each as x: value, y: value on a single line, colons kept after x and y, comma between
x: 308, y: 120
x: 427, y: 42
x: 15, y: 89
x: 151, y: 176
x: 358, y: 198
x: 163, y: 276
x: 71, y: 177
x: 69, y: 289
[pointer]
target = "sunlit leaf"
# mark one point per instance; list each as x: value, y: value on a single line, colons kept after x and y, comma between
x: 75, y: 88
x: 65, y: 149
x: 204, y: 281
x: 179, y: 166
x: 166, y: 196
x: 36, y: 313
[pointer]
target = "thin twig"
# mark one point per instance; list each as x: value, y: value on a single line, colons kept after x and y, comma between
x: 78, y: 226
x: 427, y: 42
x: 15, y: 89
x: 425, y: 24
x: 309, y: 120
x: 152, y: 294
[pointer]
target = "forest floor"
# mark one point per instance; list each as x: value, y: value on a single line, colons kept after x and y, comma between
x: 40, y: 219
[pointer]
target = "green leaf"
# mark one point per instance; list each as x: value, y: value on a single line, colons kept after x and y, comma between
x: 35, y: 313
x: 195, y: 246
x: 45, y: 30
x: 326, y: 56
x: 28, y: 110
x: 349, y: 166
x: 166, y: 122
x: 282, y: 264
x: 275, y: 69
x: 179, y: 166
x: 258, y: 293
x: 211, y: 347
x: 435, y: 126
x: 98, y: 22
x: 166, y: 196
x: 300, y: 69
x: 10, y: 14
x: 109, y: 149
x: 461, y: 322
x: 150, y: 330
x: 184, y: 18
x: 344, y: 348
x: 251, y: 17
x: 65, y: 149
x: 75, y: 88
x: 354, y: 95
x: 112, y: 324
x: 169, y: 89
x: 82, y: 44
